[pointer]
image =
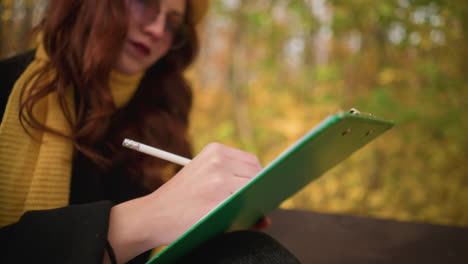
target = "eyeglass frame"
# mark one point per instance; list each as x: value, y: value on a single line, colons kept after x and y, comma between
x: 180, y: 31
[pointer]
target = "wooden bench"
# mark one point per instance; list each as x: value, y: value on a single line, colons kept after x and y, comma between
x: 326, y: 238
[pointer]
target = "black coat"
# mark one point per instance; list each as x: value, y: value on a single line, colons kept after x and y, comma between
x: 73, y: 234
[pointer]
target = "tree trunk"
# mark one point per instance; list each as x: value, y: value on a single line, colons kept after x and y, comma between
x: 237, y: 82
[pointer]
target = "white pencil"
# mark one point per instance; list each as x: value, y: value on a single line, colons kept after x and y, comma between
x: 155, y: 152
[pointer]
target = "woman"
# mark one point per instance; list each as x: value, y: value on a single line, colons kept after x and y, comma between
x: 105, y: 70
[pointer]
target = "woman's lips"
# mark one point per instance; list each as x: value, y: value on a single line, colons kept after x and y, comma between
x: 140, y: 48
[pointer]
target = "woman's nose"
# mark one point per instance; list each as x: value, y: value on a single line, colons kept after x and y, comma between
x: 157, y: 27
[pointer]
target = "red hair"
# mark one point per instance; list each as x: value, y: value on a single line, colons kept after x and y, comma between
x: 83, y: 38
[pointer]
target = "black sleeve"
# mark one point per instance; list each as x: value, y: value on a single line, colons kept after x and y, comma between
x: 73, y: 234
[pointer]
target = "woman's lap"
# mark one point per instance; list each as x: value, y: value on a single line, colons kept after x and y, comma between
x: 241, y: 247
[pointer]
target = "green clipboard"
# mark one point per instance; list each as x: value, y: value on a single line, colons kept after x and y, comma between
x: 323, y: 147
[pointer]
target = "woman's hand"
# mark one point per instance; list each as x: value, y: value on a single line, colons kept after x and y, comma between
x: 161, y: 217
x: 212, y: 176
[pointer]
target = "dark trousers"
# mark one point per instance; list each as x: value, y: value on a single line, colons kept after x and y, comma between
x: 241, y: 247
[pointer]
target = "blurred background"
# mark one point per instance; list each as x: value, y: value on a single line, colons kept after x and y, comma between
x: 270, y: 70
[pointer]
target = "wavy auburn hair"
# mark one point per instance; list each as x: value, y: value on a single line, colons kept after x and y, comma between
x: 83, y: 39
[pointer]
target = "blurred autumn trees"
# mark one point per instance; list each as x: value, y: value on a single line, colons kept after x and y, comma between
x: 270, y: 70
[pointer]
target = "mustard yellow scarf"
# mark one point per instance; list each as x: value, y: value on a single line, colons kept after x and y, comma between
x: 35, y: 171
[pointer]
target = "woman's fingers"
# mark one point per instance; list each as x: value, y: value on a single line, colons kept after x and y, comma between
x: 228, y: 153
x: 240, y: 169
x: 262, y: 224
x: 229, y: 171
x: 236, y: 184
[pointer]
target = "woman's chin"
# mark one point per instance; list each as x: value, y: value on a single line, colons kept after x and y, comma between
x: 129, y: 66
x: 129, y: 69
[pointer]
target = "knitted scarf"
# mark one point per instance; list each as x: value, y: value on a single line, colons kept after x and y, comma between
x: 35, y: 170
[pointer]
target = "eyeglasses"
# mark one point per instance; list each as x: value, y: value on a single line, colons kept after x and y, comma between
x: 148, y: 11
